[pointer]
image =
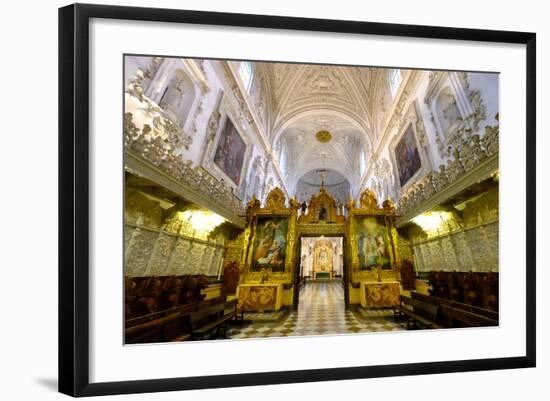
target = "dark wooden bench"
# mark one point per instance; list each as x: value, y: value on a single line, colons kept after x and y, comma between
x: 156, y: 330
x: 419, y: 314
x: 491, y: 314
x: 165, y: 326
x: 453, y: 317
x: 209, y: 321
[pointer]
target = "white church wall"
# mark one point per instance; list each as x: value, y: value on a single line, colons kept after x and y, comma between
x: 206, y: 105
x: 476, y: 98
x: 249, y: 116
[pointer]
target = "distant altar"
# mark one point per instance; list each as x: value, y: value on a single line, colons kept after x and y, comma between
x: 323, y: 260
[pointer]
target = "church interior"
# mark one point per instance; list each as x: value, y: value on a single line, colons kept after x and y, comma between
x: 271, y: 199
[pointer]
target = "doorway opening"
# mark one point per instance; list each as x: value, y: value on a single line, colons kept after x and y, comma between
x: 320, y: 279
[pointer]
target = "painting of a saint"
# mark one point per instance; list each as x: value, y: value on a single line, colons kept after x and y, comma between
x: 407, y: 157
x: 230, y: 152
x: 270, y: 244
x: 372, y: 240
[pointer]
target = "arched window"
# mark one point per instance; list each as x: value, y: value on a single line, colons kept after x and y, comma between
x: 282, y: 161
x: 246, y: 74
x: 362, y: 162
x: 394, y: 80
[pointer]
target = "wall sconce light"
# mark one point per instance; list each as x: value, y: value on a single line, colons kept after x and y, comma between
x: 431, y: 221
x: 202, y: 221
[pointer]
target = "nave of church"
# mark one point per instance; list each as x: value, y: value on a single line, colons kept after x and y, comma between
x: 268, y: 199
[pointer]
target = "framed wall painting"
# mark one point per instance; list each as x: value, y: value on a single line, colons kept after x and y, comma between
x: 374, y: 242
x: 407, y: 156
x: 92, y: 42
x: 270, y: 241
x: 230, y: 152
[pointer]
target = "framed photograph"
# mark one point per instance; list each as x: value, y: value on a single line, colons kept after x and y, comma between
x: 242, y: 188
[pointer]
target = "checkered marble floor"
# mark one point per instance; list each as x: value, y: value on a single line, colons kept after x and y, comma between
x: 321, y: 310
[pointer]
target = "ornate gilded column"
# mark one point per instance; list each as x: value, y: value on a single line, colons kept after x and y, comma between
x: 292, y: 243
x: 389, y: 208
x: 351, y: 238
x: 251, y: 209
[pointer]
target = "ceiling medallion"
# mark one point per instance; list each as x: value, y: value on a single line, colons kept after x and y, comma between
x: 323, y: 136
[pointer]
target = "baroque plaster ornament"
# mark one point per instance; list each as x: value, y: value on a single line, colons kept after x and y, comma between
x: 323, y: 136
x: 161, y: 147
x: 173, y: 95
x: 213, y: 124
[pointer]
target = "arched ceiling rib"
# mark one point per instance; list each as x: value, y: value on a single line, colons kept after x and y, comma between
x: 299, y: 88
x: 306, y: 98
x: 305, y: 153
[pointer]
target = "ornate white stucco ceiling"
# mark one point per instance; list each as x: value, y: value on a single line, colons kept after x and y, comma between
x: 305, y: 153
x: 295, y: 89
x: 349, y: 102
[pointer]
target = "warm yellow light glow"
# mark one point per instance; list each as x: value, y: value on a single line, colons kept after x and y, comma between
x: 203, y: 222
x: 431, y: 221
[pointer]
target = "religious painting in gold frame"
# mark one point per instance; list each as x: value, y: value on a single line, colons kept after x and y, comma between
x: 373, y: 242
x: 371, y: 234
x: 273, y: 224
x: 269, y: 246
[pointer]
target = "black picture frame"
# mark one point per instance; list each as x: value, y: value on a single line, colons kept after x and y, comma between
x: 74, y: 198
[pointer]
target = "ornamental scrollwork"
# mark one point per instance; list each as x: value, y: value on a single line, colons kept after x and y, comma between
x: 159, y: 147
x: 275, y: 200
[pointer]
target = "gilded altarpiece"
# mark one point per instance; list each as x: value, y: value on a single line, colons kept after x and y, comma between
x: 322, y: 209
x: 323, y: 259
x: 270, y: 240
x: 372, y: 240
x: 269, y: 253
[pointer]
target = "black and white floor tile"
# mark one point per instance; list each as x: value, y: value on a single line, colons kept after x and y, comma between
x: 321, y: 311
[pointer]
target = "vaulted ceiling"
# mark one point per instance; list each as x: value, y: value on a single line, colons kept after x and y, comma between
x: 297, y: 89
x: 306, y: 98
x: 306, y: 153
